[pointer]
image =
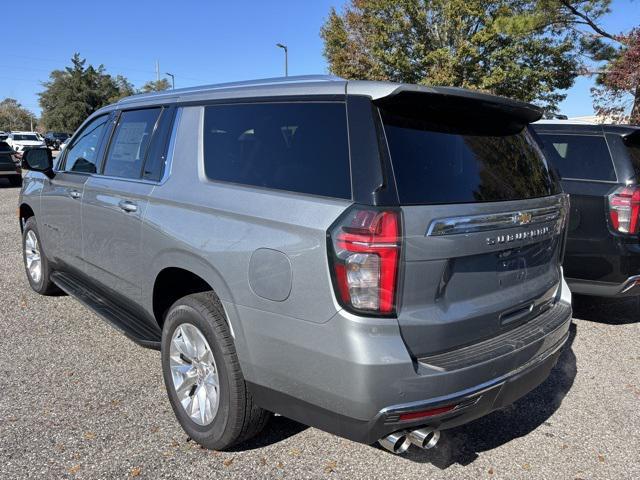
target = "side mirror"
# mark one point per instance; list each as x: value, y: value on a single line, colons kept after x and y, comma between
x: 38, y: 160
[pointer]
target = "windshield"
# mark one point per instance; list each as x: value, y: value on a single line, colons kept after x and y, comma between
x: 437, y: 165
x: 25, y: 137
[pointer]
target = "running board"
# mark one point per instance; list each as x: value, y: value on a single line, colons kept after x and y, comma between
x: 120, y: 318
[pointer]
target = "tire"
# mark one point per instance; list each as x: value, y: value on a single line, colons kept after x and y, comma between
x: 237, y: 418
x: 15, y: 181
x: 41, y: 283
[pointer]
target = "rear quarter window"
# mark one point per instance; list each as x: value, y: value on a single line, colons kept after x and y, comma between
x: 298, y: 147
x: 583, y: 157
x: 433, y: 165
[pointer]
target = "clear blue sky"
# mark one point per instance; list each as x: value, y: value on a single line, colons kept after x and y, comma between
x: 200, y: 41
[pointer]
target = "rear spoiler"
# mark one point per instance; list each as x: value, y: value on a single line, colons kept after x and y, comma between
x: 475, y: 112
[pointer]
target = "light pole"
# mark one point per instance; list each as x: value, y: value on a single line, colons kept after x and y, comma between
x: 286, y: 58
x: 173, y: 80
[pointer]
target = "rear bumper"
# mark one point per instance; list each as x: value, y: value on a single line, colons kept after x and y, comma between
x: 627, y: 288
x: 359, y: 387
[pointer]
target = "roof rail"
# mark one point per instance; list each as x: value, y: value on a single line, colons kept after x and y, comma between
x: 244, y: 83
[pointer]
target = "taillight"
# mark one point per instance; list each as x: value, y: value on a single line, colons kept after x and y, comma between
x: 366, y: 254
x: 624, y: 209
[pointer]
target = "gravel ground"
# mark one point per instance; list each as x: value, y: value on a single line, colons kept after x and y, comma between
x: 77, y: 399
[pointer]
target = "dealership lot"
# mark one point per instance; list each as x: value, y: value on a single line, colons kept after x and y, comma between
x: 79, y: 400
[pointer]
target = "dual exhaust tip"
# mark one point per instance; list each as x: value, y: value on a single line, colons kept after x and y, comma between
x: 399, y: 442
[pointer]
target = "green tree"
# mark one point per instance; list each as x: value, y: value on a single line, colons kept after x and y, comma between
x: 72, y: 94
x: 14, y: 116
x: 612, y: 57
x: 506, y: 47
x: 156, y: 86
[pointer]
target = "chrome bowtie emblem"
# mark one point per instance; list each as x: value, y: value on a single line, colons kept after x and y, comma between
x: 522, y: 218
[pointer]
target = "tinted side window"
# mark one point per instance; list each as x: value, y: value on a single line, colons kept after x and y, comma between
x: 130, y: 141
x: 580, y: 156
x: 82, y: 155
x: 301, y: 147
x: 154, y: 164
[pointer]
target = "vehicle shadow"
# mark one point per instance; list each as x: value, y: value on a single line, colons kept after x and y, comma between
x: 462, y: 445
x: 278, y: 429
x: 610, y: 311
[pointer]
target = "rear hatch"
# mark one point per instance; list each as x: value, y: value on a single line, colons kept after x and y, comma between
x: 483, y: 217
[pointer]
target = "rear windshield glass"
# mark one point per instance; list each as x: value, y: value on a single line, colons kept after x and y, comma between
x: 453, y: 166
x: 633, y: 147
x: 24, y: 138
x: 580, y: 156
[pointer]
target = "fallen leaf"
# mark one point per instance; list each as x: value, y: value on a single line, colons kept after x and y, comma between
x: 295, y: 452
x: 490, y: 472
x: 330, y: 467
x: 263, y: 461
x: 526, y: 466
x: 227, y: 462
x: 280, y: 465
x: 89, y: 435
x: 135, y: 471
x: 601, y: 458
x: 73, y: 470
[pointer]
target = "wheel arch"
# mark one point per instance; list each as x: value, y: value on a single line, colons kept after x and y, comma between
x: 179, y: 273
x: 25, y: 212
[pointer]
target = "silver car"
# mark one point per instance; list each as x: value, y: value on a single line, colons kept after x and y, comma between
x: 379, y: 260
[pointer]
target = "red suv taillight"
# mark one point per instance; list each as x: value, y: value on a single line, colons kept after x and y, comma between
x: 366, y: 254
x: 624, y: 209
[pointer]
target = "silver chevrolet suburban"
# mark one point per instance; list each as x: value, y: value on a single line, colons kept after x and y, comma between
x: 378, y: 260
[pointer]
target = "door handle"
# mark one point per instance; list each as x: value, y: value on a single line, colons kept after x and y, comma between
x: 128, y: 206
x: 74, y: 194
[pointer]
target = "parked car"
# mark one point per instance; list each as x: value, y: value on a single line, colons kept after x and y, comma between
x: 378, y: 260
x: 55, y: 139
x: 3, y: 136
x: 21, y: 141
x: 9, y: 166
x: 600, y: 169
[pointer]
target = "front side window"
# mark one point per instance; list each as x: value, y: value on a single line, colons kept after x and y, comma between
x: 82, y: 155
x: 299, y: 147
x: 130, y: 143
x: 580, y: 156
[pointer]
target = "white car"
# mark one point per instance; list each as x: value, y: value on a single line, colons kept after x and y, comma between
x: 21, y: 141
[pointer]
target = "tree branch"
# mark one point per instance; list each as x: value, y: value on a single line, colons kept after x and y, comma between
x: 588, y: 21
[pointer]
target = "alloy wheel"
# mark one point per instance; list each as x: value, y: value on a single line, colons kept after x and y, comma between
x: 194, y: 373
x: 32, y: 256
